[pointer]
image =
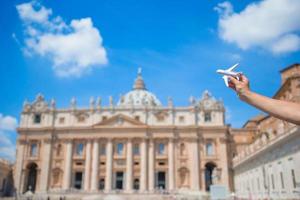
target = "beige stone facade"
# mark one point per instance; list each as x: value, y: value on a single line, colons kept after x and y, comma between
x: 135, y: 145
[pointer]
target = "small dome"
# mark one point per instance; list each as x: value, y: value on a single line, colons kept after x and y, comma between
x: 139, y: 96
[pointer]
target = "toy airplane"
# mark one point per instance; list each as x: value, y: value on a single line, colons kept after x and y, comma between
x: 229, y: 72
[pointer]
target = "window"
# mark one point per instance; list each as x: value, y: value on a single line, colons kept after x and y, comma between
x: 136, y: 184
x: 209, y: 149
x: 37, y: 118
x: 79, y: 149
x: 282, y: 181
x: 102, y: 149
x: 294, y: 178
x: 81, y: 118
x: 120, y: 148
x: 272, y: 179
x: 33, y: 150
x: 101, y: 184
x: 137, y: 118
x: 78, y: 180
x: 160, y: 118
x: 104, y: 118
x: 207, y: 117
x: 181, y: 119
x: 61, y: 120
x: 136, y: 149
x: 161, y: 148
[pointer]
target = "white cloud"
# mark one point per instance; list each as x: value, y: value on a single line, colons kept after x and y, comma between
x: 7, y: 125
x: 225, y: 9
x: 273, y: 25
x: 74, y: 49
x: 28, y: 13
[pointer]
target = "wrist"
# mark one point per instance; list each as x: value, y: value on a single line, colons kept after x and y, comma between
x: 244, y: 94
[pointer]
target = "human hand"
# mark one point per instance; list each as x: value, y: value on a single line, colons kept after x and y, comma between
x: 240, y: 85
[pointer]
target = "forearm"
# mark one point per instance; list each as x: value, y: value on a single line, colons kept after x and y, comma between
x: 284, y: 110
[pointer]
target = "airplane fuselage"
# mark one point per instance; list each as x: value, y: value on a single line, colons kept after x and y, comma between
x: 228, y: 73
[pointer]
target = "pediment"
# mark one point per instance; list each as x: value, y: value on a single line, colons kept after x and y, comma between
x: 120, y: 120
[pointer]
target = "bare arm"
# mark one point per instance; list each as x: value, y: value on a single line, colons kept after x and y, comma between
x: 285, y: 110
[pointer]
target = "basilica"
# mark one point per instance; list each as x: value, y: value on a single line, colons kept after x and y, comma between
x: 138, y: 145
x: 134, y: 145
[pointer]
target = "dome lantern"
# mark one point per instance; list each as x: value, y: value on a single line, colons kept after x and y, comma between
x: 139, y: 82
x: 139, y: 96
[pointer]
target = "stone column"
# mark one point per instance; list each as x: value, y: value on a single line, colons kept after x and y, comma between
x: 109, y: 163
x: 87, y: 170
x: 171, y: 164
x: 129, y: 167
x: 202, y: 174
x: 19, y: 165
x: 45, y: 169
x: 143, y: 181
x: 224, y: 162
x: 151, y: 171
x: 195, y: 165
x: 95, y: 164
x: 68, y: 166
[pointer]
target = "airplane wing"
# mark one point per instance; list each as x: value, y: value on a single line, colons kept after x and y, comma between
x: 232, y: 68
x: 225, y: 80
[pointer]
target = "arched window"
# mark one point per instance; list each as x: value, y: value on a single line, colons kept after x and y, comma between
x: 211, y: 177
x: 120, y: 148
x: 101, y: 184
x: 31, y: 176
x: 79, y: 149
x: 209, y: 149
x: 136, y: 184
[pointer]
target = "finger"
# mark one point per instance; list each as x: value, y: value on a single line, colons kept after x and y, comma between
x: 233, y: 80
x: 231, y: 85
x: 244, y: 78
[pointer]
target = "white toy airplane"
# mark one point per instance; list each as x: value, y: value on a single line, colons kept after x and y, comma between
x: 229, y: 72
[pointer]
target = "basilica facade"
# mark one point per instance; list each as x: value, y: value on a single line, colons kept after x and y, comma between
x: 134, y: 145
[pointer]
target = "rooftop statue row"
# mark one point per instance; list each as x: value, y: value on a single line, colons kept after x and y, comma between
x: 138, y: 97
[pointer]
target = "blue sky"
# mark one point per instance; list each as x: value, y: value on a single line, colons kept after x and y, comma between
x: 179, y: 45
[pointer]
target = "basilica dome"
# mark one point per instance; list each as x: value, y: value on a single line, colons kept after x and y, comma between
x: 139, y: 95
